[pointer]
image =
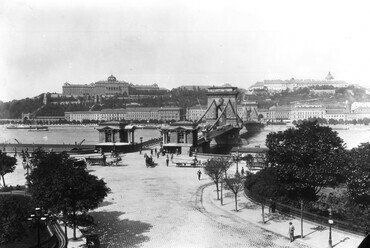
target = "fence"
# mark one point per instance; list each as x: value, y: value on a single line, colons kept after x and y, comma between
x: 289, y: 210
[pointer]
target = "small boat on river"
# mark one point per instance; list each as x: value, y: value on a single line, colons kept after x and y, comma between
x: 38, y: 128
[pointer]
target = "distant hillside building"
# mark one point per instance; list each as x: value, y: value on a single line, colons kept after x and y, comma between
x: 195, y: 87
x: 110, y: 87
x: 281, y: 85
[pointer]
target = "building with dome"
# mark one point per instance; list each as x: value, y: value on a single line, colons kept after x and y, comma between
x: 109, y: 87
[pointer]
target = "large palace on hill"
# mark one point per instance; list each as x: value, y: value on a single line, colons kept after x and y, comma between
x: 110, y: 87
x: 278, y: 85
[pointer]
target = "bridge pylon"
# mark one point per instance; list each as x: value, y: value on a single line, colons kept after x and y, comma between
x: 221, y: 121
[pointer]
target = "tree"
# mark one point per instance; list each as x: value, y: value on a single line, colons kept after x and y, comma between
x: 7, y: 165
x: 265, y: 185
x: 307, y: 157
x: 358, y: 181
x: 235, y: 184
x: 216, y: 168
x: 13, y: 212
x: 61, y: 184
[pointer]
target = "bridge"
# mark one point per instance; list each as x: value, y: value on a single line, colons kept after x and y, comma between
x: 220, y: 124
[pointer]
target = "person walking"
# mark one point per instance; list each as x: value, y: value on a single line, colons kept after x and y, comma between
x: 199, y: 174
x: 167, y: 160
x: 242, y: 171
x: 291, y: 231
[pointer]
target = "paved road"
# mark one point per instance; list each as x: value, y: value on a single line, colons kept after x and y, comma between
x: 165, y: 207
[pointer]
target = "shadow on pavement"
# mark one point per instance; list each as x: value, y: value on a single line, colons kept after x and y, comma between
x: 248, y: 205
x: 114, y: 232
x: 105, y: 203
x: 316, y: 229
x: 343, y: 240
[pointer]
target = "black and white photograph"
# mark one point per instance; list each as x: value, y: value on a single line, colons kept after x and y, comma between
x: 184, y: 124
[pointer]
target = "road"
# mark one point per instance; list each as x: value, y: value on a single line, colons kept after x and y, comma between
x: 166, y: 207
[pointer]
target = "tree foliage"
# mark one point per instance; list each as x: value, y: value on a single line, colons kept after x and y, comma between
x: 216, y: 168
x: 307, y: 157
x: 7, y: 165
x: 358, y: 180
x: 13, y: 213
x: 60, y: 184
x: 265, y: 184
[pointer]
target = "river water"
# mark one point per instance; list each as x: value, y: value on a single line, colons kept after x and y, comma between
x: 352, y: 135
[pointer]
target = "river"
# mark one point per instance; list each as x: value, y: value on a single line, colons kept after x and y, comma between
x: 352, y: 135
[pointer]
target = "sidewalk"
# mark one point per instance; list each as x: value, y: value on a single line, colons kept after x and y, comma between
x: 79, y: 242
x: 314, y: 235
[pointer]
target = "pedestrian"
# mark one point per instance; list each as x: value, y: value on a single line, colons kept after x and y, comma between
x: 104, y: 160
x: 273, y: 207
x: 242, y: 171
x: 167, y: 160
x: 291, y: 231
x: 199, y: 174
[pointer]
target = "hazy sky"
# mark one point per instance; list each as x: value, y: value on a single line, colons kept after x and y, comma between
x: 43, y: 44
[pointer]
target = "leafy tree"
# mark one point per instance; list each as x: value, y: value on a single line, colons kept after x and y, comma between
x: 307, y: 157
x: 235, y: 184
x: 216, y: 168
x: 358, y: 181
x: 13, y: 213
x: 265, y: 185
x: 7, y: 165
x: 61, y: 184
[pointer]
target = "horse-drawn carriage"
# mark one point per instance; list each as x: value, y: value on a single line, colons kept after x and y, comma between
x: 149, y: 162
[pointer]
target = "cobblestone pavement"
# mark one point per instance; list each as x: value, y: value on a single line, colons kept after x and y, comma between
x: 165, y: 207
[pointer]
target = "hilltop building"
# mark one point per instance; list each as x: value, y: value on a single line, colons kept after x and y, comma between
x: 110, y: 87
x: 281, y: 85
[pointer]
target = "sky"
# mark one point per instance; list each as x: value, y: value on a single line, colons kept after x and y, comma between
x: 44, y: 44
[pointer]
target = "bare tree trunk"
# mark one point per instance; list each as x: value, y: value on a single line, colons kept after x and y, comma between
x: 222, y: 201
x: 4, y: 185
x: 236, y: 202
x: 74, y: 225
x: 218, y: 197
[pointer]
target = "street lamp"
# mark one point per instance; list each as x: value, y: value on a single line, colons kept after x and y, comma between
x: 141, y: 144
x: 331, y: 222
x: 237, y: 161
x: 38, y: 217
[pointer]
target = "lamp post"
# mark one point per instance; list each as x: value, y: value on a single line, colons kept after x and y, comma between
x: 141, y: 144
x: 302, y: 219
x: 237, y: 161
x: 38, y: 217
x: 330, y: 223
